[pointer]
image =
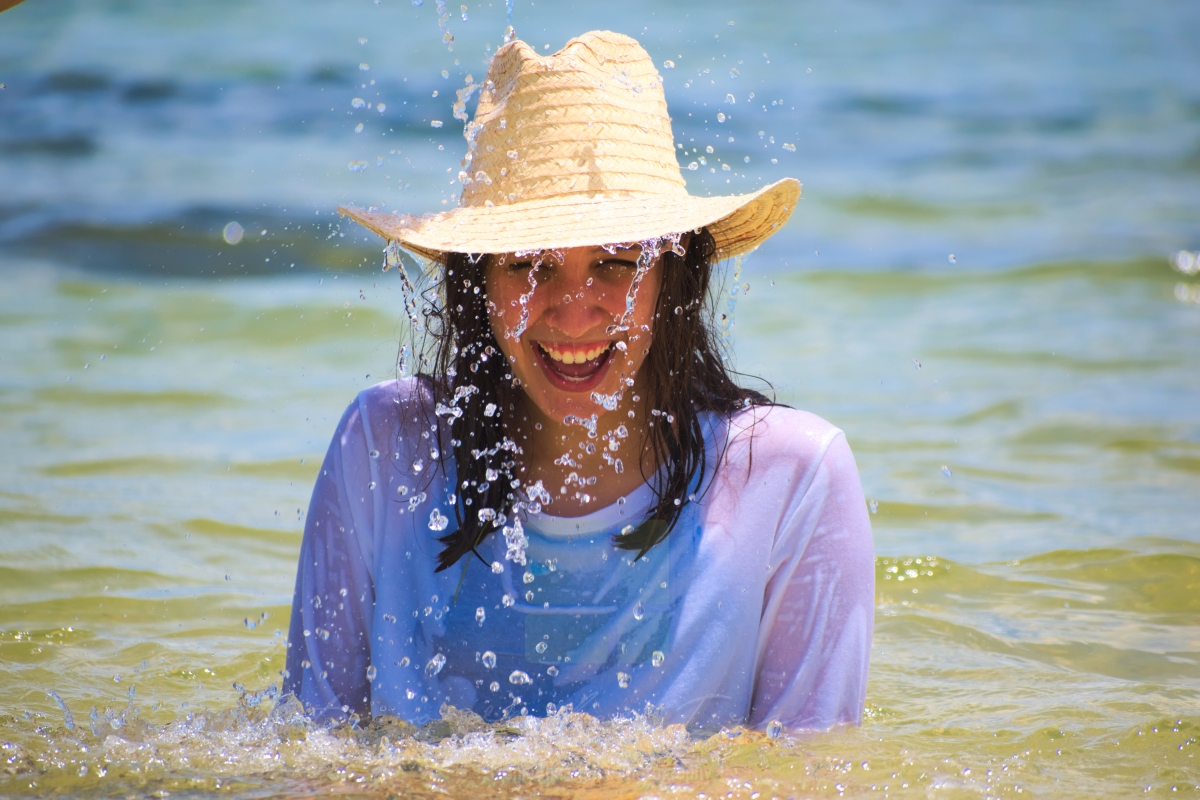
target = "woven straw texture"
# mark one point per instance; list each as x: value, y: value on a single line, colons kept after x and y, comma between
x: 576, y: 149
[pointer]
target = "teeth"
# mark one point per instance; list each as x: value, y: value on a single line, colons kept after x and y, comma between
x: 575, y: 356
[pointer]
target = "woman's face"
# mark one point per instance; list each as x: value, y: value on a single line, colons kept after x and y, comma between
x: 560, y: 318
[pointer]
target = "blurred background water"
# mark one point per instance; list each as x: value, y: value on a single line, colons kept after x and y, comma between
x: 979, y: 286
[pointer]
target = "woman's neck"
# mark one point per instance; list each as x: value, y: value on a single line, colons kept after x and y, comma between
x: 583, y: 472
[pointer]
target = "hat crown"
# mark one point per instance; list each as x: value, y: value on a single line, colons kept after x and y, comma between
x: 591, y: 118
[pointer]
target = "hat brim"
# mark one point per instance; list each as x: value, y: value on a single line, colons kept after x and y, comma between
x: 738, y: 223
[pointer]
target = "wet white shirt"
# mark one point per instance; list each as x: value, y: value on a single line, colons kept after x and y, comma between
x: 758, y: 607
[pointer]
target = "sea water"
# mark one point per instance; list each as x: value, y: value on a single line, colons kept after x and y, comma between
x: 978, y: 288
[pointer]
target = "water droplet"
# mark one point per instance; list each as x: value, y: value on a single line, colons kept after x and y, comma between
x: 774, y: 728
x: 437, y: 520
x: 507, y: 601
x: 410, y: 694
x: 494, y: 686
x: 720, y: 116
x: 381, y: 107
x: 657, y: 658
x: 358, y: 128
x: 623, y: 680
x: 233, y: 233
x: 952, y: 259
x: 540, y: 647
x: 1184, y: 261
x: 519, y: 678
x: 374, y: 454
x: 435, y: 665
x: 404, y: 662
x: 418, y: 465
x: 916, y: 363
x: 693, y: 166
x: 946, y: 470
x: 529, y: 596
x: 371, y: 486
x: 733, y: 73
x: 497, y: 568
x: 874, y: 506
x: 527, y: 577
x: 489, y: 410
x: 480, y: 615
x: 639, y: 611
x: 552, y: 671
x: 358, y: 102
x: 372, y: 672
x: 436, y: 123
x: 364, y: 66
x: 324, y: 634
x: 791, y: 148
x: 356, y: 166
x: 488, y: 659
x: 668, y: 64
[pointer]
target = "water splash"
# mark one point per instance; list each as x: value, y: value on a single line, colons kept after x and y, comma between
x: 523, y: 300
x: 509, y: 33
x: 443, y: 12
x: 68, y: 718
x: 392, y: 258
x: 731, y: 303
x: 515, y: 542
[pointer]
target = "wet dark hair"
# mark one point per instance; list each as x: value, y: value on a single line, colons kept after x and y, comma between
x: 472, y: 388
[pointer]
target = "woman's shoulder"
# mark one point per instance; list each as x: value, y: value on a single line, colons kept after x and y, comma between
x: 779, y: 461
x: 401, y: 395
x: 781, y: 450
x: 779, y: 432
x: 386, y: 409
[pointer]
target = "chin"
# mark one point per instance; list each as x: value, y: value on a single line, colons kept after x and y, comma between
x: 558, y: 404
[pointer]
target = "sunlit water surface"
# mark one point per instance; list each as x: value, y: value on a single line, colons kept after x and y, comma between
x: 1038, y: 570
x: 1025, y: 415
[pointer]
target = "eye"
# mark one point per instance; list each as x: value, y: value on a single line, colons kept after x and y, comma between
x: 617, y: 264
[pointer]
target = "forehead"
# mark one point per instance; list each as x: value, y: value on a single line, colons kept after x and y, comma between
x: 590, y: 253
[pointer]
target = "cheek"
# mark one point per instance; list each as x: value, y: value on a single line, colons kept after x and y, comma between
x: 645, y: 308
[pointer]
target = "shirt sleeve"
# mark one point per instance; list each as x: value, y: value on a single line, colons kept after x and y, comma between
x: 329, y: 638
x: 819, y: 608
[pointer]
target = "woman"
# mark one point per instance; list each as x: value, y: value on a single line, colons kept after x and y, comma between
x: 575, y: 504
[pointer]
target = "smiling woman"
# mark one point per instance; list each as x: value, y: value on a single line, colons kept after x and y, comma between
x: 667, y: 539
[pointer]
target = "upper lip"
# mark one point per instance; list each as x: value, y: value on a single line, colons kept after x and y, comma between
x: 575, y: 352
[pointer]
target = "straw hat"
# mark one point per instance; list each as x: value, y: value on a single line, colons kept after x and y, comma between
x: 575, y: 149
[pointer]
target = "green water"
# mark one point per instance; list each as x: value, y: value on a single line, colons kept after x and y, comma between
x: 1038, y: 607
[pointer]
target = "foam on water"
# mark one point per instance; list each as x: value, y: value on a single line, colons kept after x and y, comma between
x: 253, y: 746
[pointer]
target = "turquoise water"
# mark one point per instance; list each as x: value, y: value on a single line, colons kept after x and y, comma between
x: 1025, y: 417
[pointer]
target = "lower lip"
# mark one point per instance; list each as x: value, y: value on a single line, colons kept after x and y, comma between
x: 560, y: 381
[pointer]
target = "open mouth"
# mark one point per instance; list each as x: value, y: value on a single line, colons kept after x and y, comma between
x: 577, y: 367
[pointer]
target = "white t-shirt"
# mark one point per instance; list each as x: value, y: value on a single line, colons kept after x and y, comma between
x: 758, y: 606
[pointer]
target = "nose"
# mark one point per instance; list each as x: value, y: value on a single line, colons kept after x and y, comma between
x: 575, y: 306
